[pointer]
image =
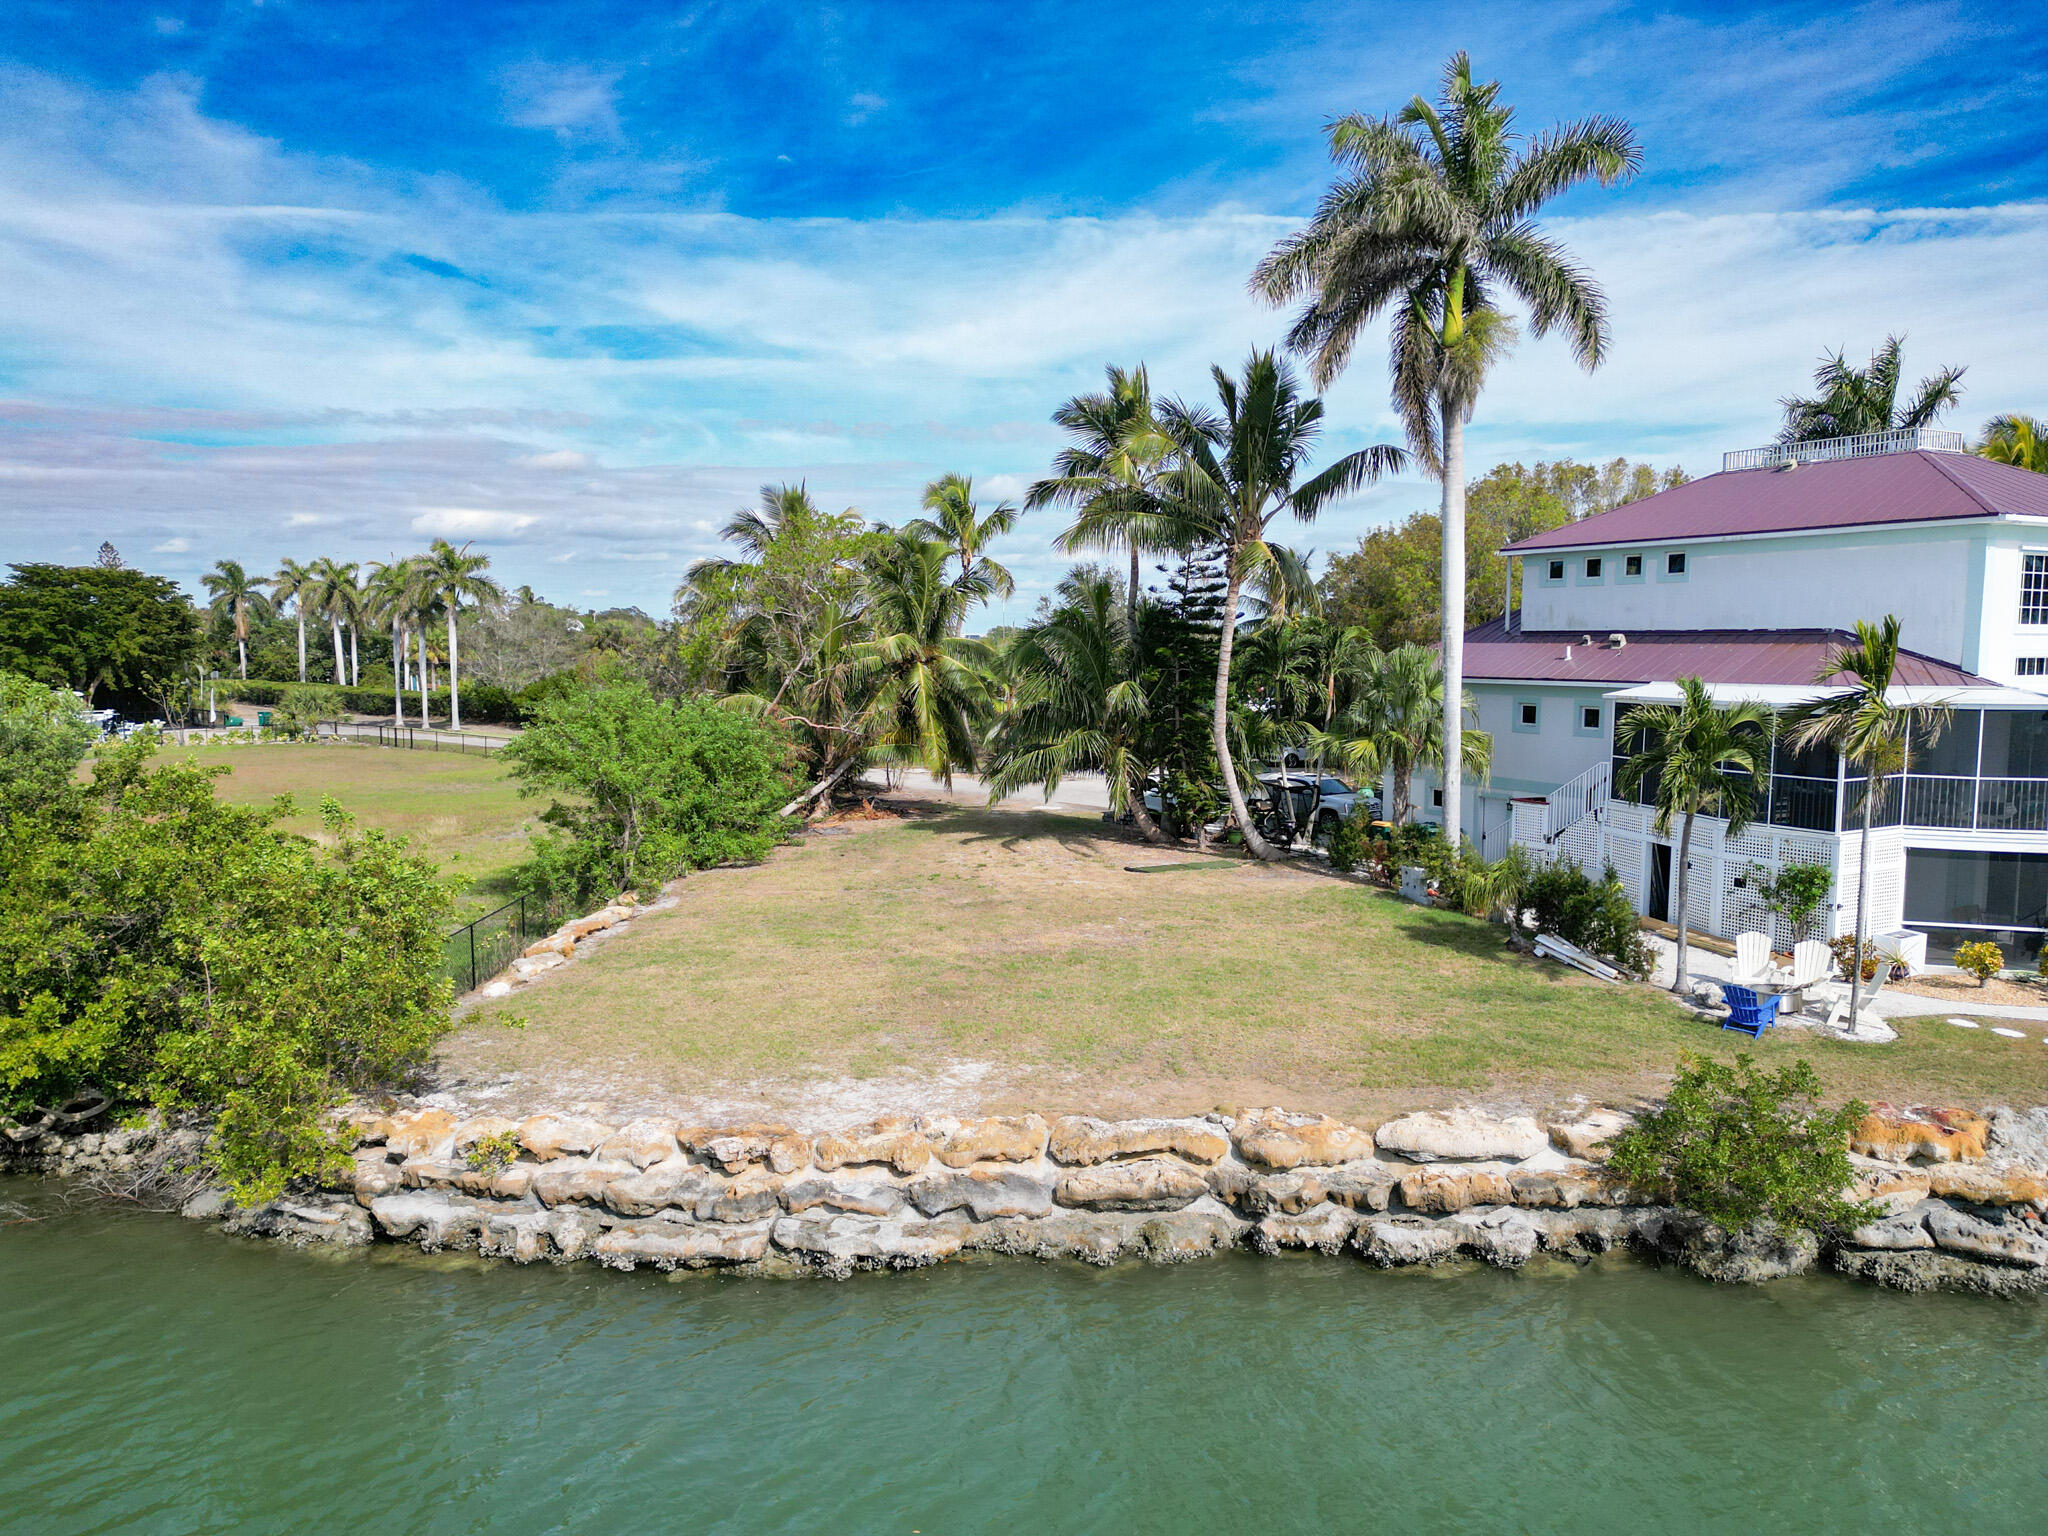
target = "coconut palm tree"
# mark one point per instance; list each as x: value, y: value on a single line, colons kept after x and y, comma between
x: 1110, y: 474
x: 958, y: 523
x: 2016, y: 439
x: 1698, y: 758
x: 1862, y: 723
x: 1236, y: 472
x: 240, y: 596
x: 1432, y: 221
x: 291, y: 584
x: 1081, y: 703
x: 1852, y: 401
x: 1395, y: 723
x: 929, y: 694
x: 454, y: 577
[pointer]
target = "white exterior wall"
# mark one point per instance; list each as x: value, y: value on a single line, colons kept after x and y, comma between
x: 1937, y: 580
x: 2001, y: 638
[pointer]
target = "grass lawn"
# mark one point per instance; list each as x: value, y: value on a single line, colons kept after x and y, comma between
x: 1014, y: 952
x: 461, y: 811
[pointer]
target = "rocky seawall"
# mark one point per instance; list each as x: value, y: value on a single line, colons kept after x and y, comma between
x: 1962, y: 1196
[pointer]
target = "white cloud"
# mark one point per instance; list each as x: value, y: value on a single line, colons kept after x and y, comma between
x: 471, y: 523
x: 560, y: 458
x: 570, y: 99
x: 172, y: 547
x: 304, y: 520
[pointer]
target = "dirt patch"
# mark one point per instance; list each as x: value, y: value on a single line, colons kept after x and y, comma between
x: 1964, y: 991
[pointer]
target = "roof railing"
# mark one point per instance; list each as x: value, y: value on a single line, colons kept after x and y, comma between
x: 1867, y: 445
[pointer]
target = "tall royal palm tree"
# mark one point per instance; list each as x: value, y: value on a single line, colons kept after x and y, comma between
x: 291, y: 584
x: 956, y: 522
x: 1109, y: 474
x: 240, y: 596
x: 1237, y: 470
x: 1852, y: 401
x: 455, y: 577
x: 334, y: 584
x: 929, y: 693
x: 1394, y: 723
x: 2016, y: 439
x: 1080, y: 703
x: 1858, y: 719
x: 1432, y: 220
x: 1698, y: 758
x: 389, y: 598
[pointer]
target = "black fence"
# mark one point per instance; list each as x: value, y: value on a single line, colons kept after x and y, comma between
x: 477, y: 951
x: 414, y: 738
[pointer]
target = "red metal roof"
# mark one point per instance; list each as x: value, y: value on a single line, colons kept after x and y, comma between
x: 1788, y: 656
x: 1919, y: 486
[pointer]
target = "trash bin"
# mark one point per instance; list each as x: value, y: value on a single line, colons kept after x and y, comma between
x: 233, y: 722
x: 263, y: 719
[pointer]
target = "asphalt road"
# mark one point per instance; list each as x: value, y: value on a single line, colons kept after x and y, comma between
x: 1081, y: 793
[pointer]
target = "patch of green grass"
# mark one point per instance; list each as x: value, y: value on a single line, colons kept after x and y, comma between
x: 461, y: 811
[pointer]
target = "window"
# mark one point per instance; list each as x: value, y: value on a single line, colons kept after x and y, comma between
x: 1594, y: 565
x: 1632, y: 566
x: 1526, y: 715
x: 1589, y: 720
x: 2033, y: 666
x: 2034, y: 590
x: 1438, y: 799
x: 1674, y: 563
x: 1556, y: 571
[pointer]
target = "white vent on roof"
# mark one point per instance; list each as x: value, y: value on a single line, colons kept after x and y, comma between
x: 1617, y: 639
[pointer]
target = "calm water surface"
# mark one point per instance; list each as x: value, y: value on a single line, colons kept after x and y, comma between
x: 157, y: 1377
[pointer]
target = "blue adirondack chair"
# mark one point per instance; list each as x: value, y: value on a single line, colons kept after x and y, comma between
x: 1748, y: 1012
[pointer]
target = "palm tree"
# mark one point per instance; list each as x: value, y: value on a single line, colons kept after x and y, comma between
x: 454, y: 577
x: 1395, y: 723
x: 240, y: 596
x: 291, y: 584
x: 2016, y: 439
x: 1081, y: 703
x: 1432, y: 218
x: 957, y: 522
x: 1110, y: 473
x: 389, y: 598
x: 1861, y: 723
x: 1852, y: 401
x: 332, y: 585
x: 1235, y: 473
x: 1699, y: 758
x: 929, y: 694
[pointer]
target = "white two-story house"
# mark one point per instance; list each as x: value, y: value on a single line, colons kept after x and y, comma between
x: 1747, y: 579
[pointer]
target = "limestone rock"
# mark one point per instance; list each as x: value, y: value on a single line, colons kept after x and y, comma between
x: 1396, y: 1240
x: 643, y: 1143
x: 303, y: 1222
x: 579, y: 929
x: 1922, y: 1270
x: 679, y: 1245
x: 874, y: 1196
x: 521, y: 1236
x: 1363, y: 1185
x: 512, y: 1182
x: 576, y: 1180
x: 431, y: 1172
x: 2009, y: 1242
x: 753, y: 1195
x: 1440, y: 1191
x: 675, y: 1182
x: 573, y: 1231
x: 997, y: 1138
x: 477, y: 1127
x: 1896, y: 1135
x: 559, y: 944
x: 1174, y: 1237
x: 1503, y: 1236
x: 375, y: 1175
x: 207, y: 1205
x: 1083, y: 1140
x: 1988, y: 1186
x: 1325, y: 1226
x: 1587, y: 1136
x: 987, y: 1190
x: 894, y: 1140
x: 1092, y: 1237
x: 1141, y: 1184
x: 526, y: 967
x: 1907, y: 1229
x: 2020, y: 1137
x: 1280, y: 1138
x: 548, y: 1137
x: 1748, y: 1257
x: 838, y: 1245
x: 1888, y: 1186
x: 424, y: 1133
x: 1585, y: 1230
x: 428, y: 1219
x: 499, y: 988
x: 735, y: 1147
x: 1462, y: 1135
x: 1551, y: 1188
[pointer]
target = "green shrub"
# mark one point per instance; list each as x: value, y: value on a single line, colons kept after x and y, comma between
x: 491, y: 1153
x: 1796, y: 893
x: 482, y: 703
x: 1594, y: 914
x: 183, y: 953
x: 1844, y: 947
x: 1741, y: 1145
x: 1351, y: 842
x: 45, y: 733
x: 658, y: 787
x: 1981, y: 959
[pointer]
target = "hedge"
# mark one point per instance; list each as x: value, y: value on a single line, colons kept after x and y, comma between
x: 482, y: 703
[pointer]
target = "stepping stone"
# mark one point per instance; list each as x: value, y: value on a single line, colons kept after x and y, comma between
x: 2010, y: 1034
x: 1962, y: 1024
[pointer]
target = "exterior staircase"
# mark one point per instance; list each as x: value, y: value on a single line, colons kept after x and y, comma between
x: 1572, y: 802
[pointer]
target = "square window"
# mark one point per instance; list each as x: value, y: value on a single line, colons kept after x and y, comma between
x: 1631, y: 565
x: 2032, y: 666
x: 1674, y: 563
x: 1528, y: 715
x: 1593, y: 565
x: 1557, y: 570
x: 2034, y: 590
x: 1589, y: 717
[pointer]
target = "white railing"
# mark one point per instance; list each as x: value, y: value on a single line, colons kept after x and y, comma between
x: 1568, y: 804
x: 1868, y: 445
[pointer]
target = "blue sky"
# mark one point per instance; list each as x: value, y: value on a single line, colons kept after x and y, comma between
x: 307, y: 277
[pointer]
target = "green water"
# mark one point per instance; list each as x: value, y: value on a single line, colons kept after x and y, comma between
x: 158, y: 1377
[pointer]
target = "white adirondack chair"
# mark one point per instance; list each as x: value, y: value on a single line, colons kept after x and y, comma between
x: 1752, y: 960
x: 1811, y: 960
x: 1867, y: 1018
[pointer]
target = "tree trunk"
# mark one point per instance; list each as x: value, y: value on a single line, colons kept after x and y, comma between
x: 420, y: 676
x: 1141, y: 818
x: 1453, y: 634
x: 302, y: 645
x: 1862, y: 886
x: 340, y: 667
x: 398, y: 674
x: 822, y: 787
x: 1132, y: 602
x: 1399, y: 810
x: 355, y: 660
x: 454, y: 686
x: 242, y: 656
x: 1219, y: 723
x: 1684, y: 853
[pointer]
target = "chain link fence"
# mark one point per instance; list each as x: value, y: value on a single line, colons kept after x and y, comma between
x: 477, y: 951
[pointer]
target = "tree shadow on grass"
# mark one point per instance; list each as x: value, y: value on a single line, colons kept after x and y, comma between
x: 1014, y: 829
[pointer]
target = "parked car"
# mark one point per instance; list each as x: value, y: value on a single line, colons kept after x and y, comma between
x: 1316, y: 801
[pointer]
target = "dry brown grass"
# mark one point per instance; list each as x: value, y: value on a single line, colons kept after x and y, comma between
x: 1019, y: 942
